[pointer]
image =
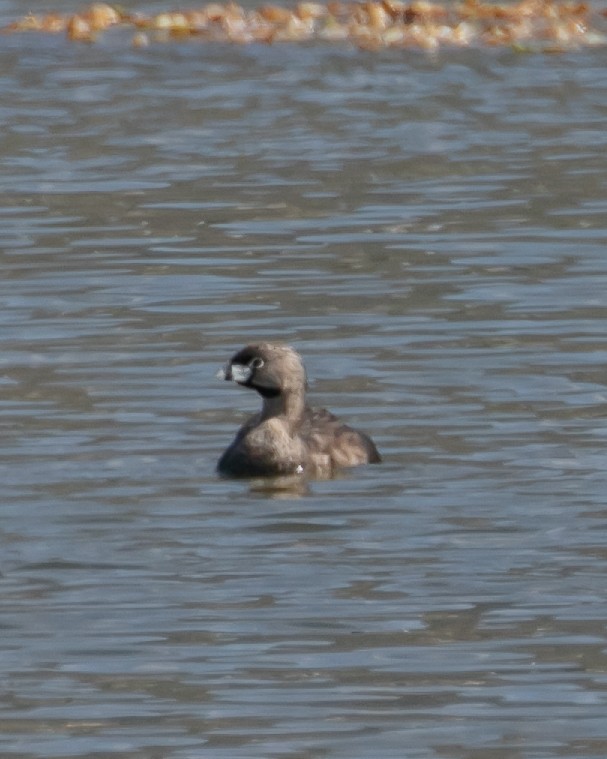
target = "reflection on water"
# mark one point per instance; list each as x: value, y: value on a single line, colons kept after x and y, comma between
x: 430, y: 233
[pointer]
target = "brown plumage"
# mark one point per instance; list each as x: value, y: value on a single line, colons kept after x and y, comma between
x: 287, y: 436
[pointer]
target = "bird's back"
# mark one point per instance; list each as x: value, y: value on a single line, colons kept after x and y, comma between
x: 324, y: 433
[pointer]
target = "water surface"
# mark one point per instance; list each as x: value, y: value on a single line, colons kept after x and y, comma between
x: 430, y: 233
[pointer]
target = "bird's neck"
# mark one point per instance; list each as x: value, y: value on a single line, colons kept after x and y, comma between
x: 289, y: 405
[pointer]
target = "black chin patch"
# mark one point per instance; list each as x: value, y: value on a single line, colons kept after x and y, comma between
x: 266, y: 392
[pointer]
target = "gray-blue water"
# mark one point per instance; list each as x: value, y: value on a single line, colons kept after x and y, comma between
x: 431, y: 234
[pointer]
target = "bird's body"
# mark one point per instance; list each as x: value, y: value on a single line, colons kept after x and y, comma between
x: 288, y: 436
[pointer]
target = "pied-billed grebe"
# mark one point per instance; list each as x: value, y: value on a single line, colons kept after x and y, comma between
x: 287, y: 436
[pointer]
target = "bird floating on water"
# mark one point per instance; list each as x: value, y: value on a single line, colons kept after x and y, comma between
x: 287, y: 436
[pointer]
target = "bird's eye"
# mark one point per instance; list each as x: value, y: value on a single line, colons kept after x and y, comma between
x: 256, y: 363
